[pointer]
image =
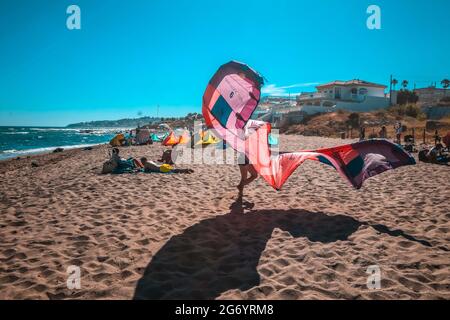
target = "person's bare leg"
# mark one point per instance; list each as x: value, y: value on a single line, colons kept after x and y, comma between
x: 243, y: 170
x: 253, y: 174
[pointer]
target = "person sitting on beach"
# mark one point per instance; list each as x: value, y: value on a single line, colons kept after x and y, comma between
x: 245, y: 167
x: 122, y: 163
x: 166, y: 157
x: 116, y: 164
x: 151, y: 166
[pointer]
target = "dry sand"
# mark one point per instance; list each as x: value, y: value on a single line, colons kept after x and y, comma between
x: 164, y: 236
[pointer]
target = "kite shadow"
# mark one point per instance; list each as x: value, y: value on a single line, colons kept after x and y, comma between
x: 222, y: 253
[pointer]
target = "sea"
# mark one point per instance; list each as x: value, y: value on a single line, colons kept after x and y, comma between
x: 24, y: 141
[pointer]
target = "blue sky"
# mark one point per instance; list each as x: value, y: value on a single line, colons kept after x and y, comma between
x: 131, y: 56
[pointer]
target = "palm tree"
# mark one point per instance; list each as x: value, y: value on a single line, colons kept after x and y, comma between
x: 405, y: 84
x: 394, y: 83
x: 445, y: 84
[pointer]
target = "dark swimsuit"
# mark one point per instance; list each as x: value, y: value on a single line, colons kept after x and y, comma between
x: 243, y: 160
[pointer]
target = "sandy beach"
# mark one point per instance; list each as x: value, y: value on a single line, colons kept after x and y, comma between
x: 188, y: 236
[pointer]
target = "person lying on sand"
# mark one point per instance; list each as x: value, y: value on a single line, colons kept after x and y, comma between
x: 245, y: 167
x: 151, y: 166
x: 435, y: 155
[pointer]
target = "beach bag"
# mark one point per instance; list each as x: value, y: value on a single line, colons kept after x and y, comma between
x: 165, y: 168
x: 108, y: 167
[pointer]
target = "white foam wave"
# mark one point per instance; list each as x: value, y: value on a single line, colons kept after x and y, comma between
x: 14, y: 153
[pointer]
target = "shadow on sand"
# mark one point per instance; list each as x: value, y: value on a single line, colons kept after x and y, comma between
x: 222, y: 253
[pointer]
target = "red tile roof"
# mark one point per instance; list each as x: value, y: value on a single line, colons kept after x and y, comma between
x: 351, y: 83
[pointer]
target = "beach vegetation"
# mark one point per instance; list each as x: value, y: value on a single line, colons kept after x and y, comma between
x: 353, y: 120
x: 405, y: 96
x: 410, y: 110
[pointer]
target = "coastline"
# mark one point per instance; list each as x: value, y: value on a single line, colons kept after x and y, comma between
x: 45, y: 150
x: 24, y: 141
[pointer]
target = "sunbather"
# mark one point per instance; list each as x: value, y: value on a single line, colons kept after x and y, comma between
x: 434, y: 155
x: 151, y: 166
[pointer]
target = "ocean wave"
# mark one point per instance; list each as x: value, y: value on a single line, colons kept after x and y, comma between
x: 17, y: 132
x: 14, y: 153
x: 8, y: 151
x: 53, y: 129
x: 84, y: 130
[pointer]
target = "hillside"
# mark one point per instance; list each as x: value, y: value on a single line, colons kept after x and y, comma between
x: 144, y: 122
x: 121, y: 123
x: 335, y: 123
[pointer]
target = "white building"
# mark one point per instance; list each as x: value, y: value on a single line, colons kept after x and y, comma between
x: 354, y: 95
x: 430, y: 95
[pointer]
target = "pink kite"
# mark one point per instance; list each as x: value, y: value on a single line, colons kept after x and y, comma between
x: 233, y: 94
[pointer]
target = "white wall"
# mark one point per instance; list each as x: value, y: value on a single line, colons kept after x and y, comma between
x: 374, y: 92
x: 369, y: 104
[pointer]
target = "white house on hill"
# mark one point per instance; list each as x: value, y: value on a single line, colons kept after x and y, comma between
x: 354, y: 95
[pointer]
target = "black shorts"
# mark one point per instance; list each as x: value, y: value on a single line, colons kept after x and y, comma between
x: 242, y: 159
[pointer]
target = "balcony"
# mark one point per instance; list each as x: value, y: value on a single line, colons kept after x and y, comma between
x: 314, y: 95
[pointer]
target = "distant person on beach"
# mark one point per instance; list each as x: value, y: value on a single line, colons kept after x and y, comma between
x: 245, y: 167
x: 383, y: 133
x: 437, y: 138
x: 398, y: 132
x: 362, y: 133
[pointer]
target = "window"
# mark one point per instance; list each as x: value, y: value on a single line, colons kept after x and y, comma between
x: 363, y: 91
x: 354, y: 91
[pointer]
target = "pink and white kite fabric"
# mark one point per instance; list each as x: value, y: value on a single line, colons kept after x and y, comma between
x: 233, y: 94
